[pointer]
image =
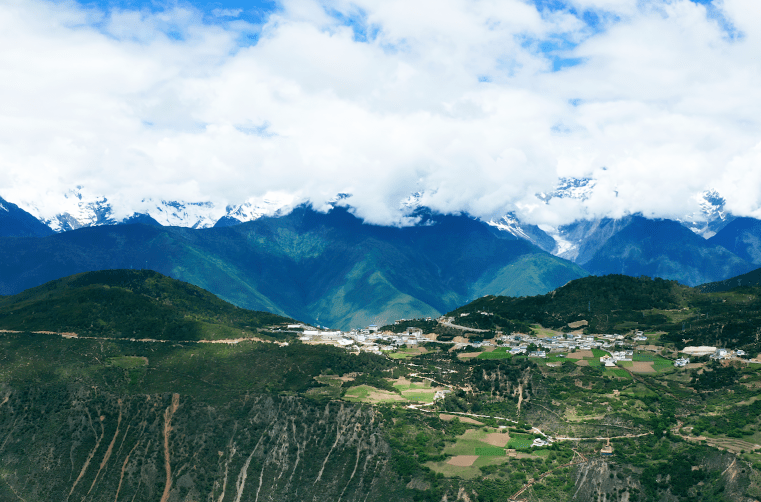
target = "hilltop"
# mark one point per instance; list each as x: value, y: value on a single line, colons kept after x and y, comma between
x: 708, y: 315
x: 130, y: 304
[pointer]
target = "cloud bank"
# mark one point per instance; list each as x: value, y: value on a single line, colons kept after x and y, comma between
x: 479, y: 105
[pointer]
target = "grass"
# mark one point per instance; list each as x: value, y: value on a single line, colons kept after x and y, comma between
x: 328, y: 392
x: 491, y: 451
x: 556, y: 359
x: 425, y: 384
x: 520, y: 441
x: 618, y: 372
x: 366, y: 393
x: 660, y: 364
x: 638, y: 391
x: 404, y: 353
x: 467, y: 447
x: 598, y: 353
x: 128, y: 362
x: 424, y: 397
x: 330, y: 380
x: 498, y: 353
x: 358, y: 393
x: 643, y: 357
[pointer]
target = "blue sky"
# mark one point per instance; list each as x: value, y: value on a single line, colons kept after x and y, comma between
x: 477, y: 104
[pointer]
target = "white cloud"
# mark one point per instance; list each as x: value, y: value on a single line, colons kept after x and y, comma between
x: 226, y: 12
x: 140, y: 105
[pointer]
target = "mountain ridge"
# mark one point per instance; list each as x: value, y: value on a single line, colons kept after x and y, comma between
x: 328, y: 268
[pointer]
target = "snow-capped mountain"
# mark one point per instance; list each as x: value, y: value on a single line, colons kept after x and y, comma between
x: 532, y: 233
x: 570, y: 188
x: 80, y: 208
x: 15, y: 222
x: 412, y: 202
x: 255, y: 208
x: 579, y: 240
x: 183, y: 214
x: 712, y: 216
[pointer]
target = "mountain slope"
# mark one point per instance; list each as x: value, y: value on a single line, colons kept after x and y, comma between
x: 751, y: 279
x: 129, y: 303
x: 327, y: 268
x: 666, y: 249
x: 15, y: 222
x: 743, y: 238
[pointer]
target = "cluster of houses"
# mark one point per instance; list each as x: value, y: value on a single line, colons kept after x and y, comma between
x: 566, y: 342
x: 682, y: 362
x: 617, y: 356
x: 369, y: 339
x: 715, y: 353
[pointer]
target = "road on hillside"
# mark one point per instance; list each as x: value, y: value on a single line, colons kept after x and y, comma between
x: 463, y: 328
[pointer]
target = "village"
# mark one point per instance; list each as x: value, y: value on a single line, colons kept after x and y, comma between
x: 620, y: 347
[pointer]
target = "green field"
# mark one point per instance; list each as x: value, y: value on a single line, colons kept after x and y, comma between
x: 404, y: 353
x: 491, y: 451
x: 520, y: 441
x: 498, y: 353
x: 618, y: 372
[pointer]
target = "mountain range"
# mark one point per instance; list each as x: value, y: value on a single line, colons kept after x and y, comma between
x: 331, y: 268
x: 328, y: 268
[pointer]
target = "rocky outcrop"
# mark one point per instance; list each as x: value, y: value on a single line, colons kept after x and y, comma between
x: 87, y: 445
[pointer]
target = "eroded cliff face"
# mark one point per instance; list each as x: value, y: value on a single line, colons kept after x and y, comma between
x: 84, y: 444
x: 604, y: 480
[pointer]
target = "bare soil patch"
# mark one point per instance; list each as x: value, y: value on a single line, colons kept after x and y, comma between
x: 379, y: 396
x: 468, y: 355
x: 497, y: 439
x: 582, y: 362
x: 580, y: 354
x: 642, y: 367
x: 466, y: 420
x: 515, y: 454
x: 693, y: 366
x: 462, y: 460
x: 578, y: 324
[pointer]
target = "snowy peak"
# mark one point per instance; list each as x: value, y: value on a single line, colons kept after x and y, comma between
x: 712, y: 205
x: 79, y: 208
x: 15, y: 222
x: 271, y: 204
x: 712, y: 216
x: 183, y: 214
x: 414, y: 201
x: 570, y: 188
x: 510, y: 224
x: 532, y: 233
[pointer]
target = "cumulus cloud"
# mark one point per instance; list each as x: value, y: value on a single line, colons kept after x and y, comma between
x: 457, y: 99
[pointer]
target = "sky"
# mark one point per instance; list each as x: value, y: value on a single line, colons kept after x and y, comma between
x: 477, y: 105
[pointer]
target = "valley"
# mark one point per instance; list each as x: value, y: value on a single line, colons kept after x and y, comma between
x: 265, y: 416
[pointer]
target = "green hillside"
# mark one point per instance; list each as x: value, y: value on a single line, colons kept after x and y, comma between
x: 108, y: 417
x: 706, y: 315
x: 330, y: 269
x: 130, y: 304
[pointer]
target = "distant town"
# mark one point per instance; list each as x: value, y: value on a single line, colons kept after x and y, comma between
x: 620, y: 347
